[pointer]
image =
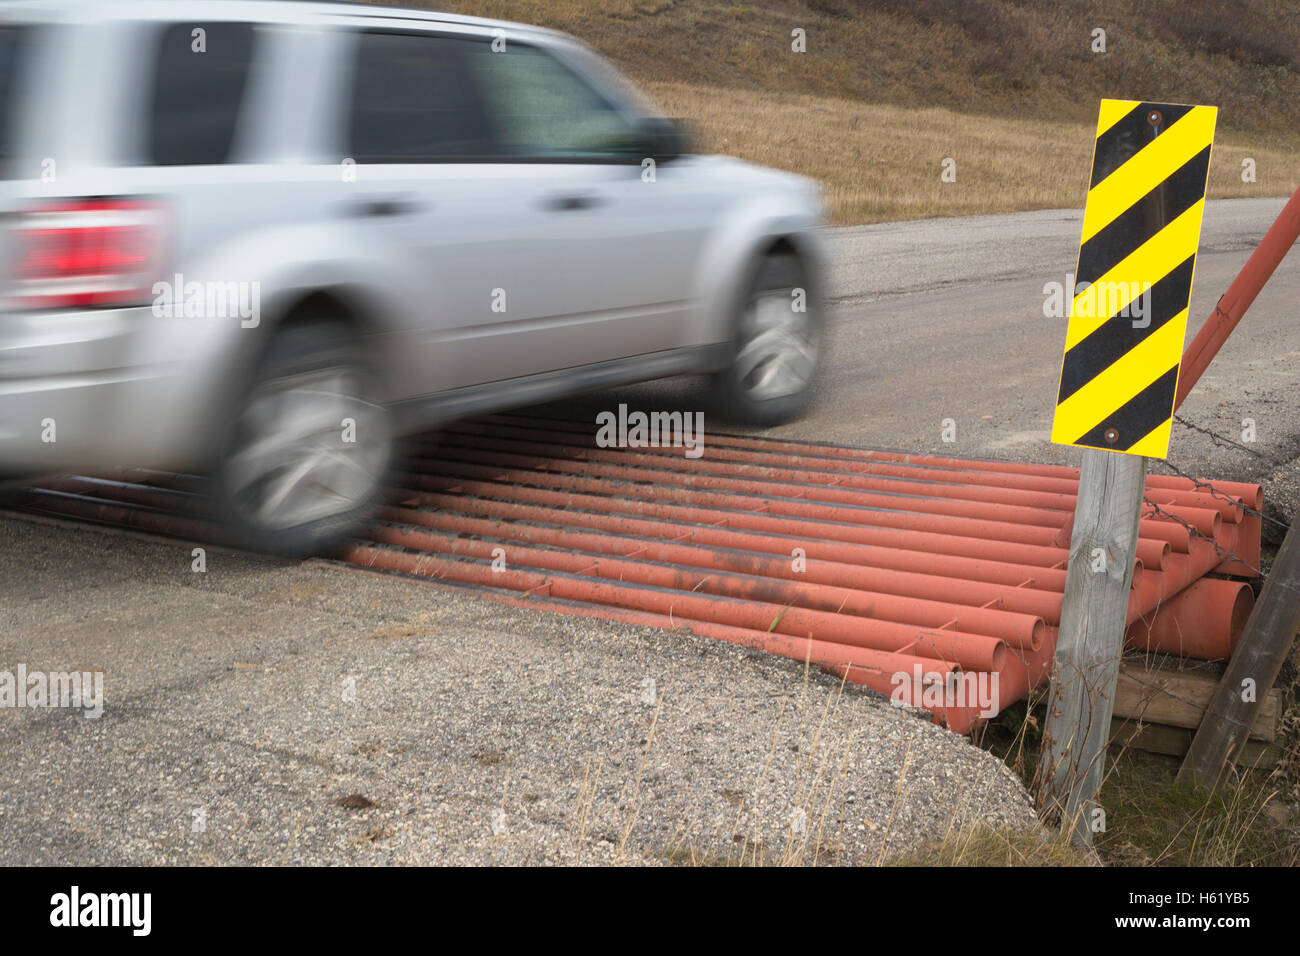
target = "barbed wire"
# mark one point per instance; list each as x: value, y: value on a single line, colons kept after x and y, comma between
x: 1223, y: 553
x: 1208, y: 487
x: 1226, y: 442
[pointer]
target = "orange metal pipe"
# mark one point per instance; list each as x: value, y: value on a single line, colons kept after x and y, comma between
x: 128, y: 516
x: 1204, y: 520
x: 1031, y: 602
x: 1181, y: 570
x: 1152, y: 554
x: 1250, y: 495
x: 1232, y: 305
x: 672, y: 605
x: 943, y: 535
x: 846, y: 626
x: 992, y: 485
x: 996, y: 572
x: 721, y: 576
x: 891, y: 580
x: 924, y: 498
x: 974, y: 485
x: 1006, y: 471
x: 1149, y: 549
x: 117, y: 492
x: 831, y: 505
x: 1149, y: 553
x: 1204, y: 620
x: 1228, y: 510
x: 505, y: 468
x: 1178, y: 537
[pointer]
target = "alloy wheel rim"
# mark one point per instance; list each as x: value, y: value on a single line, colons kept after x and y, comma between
x: 291, y: 463
x: 778, y: 347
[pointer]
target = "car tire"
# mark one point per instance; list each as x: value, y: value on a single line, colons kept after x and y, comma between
x: 308, y: 449
x: 775, y: 350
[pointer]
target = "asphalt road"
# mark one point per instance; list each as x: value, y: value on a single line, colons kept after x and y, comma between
x: 308, y: 713
x: 936, y: 322
x: 943, y: 319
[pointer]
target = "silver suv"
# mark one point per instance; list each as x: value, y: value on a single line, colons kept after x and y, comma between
x: 262, y: 241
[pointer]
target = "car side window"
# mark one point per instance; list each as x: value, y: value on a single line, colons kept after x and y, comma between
x: 412, y: 101
x: 541, y: 109
x: 199, y: 80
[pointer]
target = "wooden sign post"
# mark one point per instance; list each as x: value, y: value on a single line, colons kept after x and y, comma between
x: 1103, y: 549
x: 1119, y: 378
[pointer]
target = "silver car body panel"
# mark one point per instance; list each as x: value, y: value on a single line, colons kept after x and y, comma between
x: 640, y: 280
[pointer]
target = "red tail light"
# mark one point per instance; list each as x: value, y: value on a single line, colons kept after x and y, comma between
x: 85, y: 253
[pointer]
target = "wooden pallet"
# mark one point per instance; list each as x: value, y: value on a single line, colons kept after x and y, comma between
x: 1159, y: 704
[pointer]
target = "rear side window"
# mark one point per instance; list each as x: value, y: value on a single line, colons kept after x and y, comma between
x: 199, y: 82
x: 412, y: 101
x: 13, y: 43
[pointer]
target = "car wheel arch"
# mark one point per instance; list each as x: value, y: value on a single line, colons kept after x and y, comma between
x: 773, y: 246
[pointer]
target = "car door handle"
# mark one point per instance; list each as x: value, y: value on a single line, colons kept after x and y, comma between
x: 572, y: 202
x: 376, y: 206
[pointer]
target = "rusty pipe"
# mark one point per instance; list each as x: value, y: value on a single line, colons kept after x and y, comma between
x: 993, y: 571
x: 1027, y: 602
x: 826, y: 506
x: 803, y: 484
x: 674, y: 607
x: 722, y: 576
x: 1232, y: 305
x: 751, y: 516
x: 1058, y: 493
x: 753, y: 615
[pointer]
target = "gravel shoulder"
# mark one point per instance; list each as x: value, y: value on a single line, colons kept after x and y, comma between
x: 264, y: 697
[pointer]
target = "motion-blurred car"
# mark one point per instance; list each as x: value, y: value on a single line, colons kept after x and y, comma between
x: 264, y: 240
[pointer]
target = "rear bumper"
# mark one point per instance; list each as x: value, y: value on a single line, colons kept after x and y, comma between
x: 98, y: 389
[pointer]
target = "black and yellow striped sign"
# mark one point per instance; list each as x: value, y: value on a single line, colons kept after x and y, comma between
x: 1133, y: 283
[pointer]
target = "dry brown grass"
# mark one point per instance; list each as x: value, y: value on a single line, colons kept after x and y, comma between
x: 994, y: 57
x: 987, y: 846
x: 887, y: 90
x: 884, y: 162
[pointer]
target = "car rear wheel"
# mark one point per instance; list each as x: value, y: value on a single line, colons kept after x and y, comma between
x: 309, y: 449
x: 776, y: 349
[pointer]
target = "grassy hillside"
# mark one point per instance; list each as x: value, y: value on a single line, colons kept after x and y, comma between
x: 1007, y: 88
